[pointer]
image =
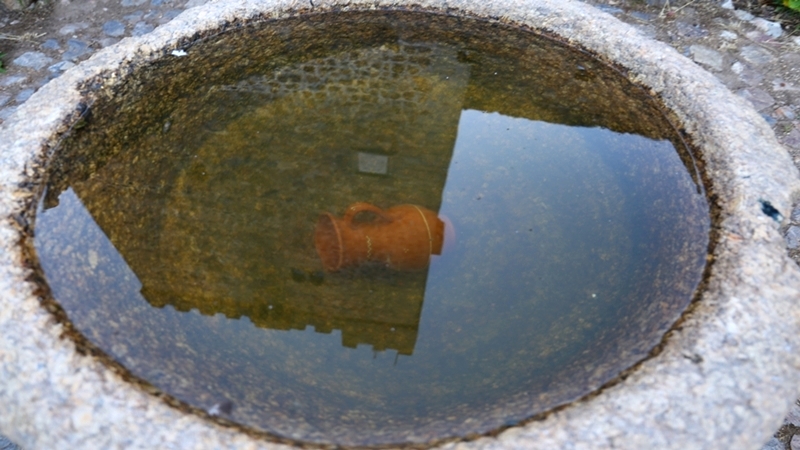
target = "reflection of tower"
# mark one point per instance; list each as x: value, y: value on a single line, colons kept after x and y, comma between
x: 385, y: 98
x: 223, y: 232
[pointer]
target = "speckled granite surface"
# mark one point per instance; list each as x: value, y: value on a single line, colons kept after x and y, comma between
x: 720, y: 378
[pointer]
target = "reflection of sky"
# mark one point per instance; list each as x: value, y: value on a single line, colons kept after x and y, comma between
x: 546, y: 217
x: 70, y: 231
x: 513, y: 182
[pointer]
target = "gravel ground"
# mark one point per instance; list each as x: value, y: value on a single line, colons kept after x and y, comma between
x: 754, y: 56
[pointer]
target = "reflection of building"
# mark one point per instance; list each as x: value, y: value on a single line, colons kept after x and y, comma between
x: 228, y: 230
x: 391, y: 112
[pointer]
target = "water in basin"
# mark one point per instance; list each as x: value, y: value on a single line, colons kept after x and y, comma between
x: 177, y: 229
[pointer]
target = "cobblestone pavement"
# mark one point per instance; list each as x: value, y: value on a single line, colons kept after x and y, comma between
x: 753, y: 56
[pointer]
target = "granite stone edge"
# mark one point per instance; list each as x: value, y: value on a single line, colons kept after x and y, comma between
x: 719, y: 376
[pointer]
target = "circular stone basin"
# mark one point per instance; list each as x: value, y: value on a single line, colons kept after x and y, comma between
x: 177, y: 227
x: 172, y: 293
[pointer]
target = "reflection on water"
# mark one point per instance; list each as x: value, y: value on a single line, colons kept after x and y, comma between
x: 186, y: 252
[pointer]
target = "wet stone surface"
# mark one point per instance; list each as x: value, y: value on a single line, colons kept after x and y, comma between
x: 753, y: 58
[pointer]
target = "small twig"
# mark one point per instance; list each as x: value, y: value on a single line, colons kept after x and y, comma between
x: 27, y: 37
x: 684, y: 6
x: 666, y: 5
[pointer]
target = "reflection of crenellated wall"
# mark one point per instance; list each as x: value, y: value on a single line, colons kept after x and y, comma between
x: 384, y: 325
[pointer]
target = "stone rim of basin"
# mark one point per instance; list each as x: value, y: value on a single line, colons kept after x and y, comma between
x: 727, y: 370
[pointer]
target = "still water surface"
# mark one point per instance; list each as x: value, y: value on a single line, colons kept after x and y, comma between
x: 189, y: 257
